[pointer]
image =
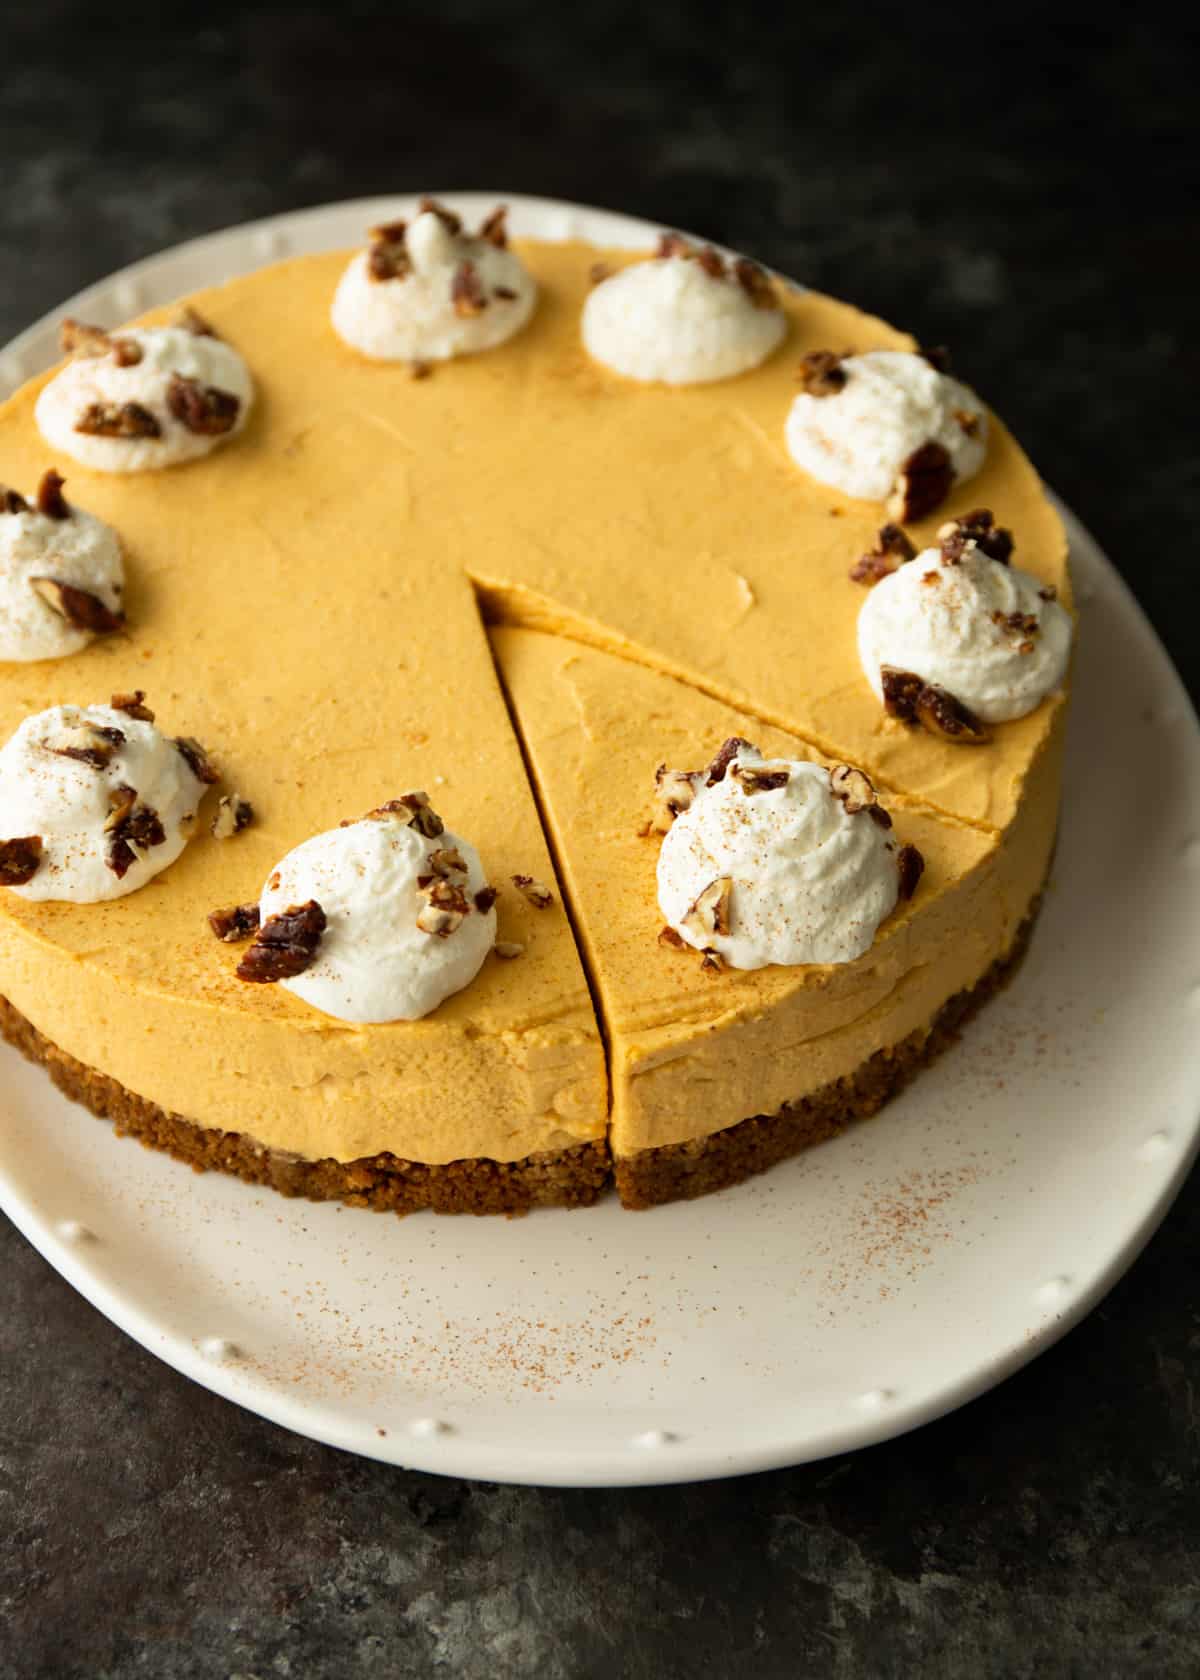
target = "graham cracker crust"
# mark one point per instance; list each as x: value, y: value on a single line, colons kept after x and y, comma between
x: 385, y: 1183
x: 563, y: 1178
x: 681, y: 1171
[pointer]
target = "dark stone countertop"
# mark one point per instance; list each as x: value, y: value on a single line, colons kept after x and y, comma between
x: 1025, y: 195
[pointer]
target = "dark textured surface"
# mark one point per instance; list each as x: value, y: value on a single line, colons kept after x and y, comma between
x: 1030, y: 200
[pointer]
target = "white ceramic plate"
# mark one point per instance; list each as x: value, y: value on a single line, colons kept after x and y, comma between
x: 852, y: 1294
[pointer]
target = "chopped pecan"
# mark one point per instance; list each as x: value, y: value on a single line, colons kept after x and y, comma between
x: 755, y: 282
x: 485, y: 898
x: 133, y: 705
x: 445, y: 861
x: 415, y: 811
x: 494, y: 228
x: 937, y: 356
x: 931, y: 579
x: 711, y: 261
x: 892, y: 549
x: 92, y: 744
x: 12, y: 501
x: 977, y: 527
x: 821, y: 373
x: 712, y: 963
x: 923, y: 483
x: 1021, y: 624
x: 190, y: 320
x: 232, y: 815
x: 968, y: 423
x: 853, y: 787
x: 504, y: 293
x: 387, y: 255
x: 674, y: 791
x: 431, y: 207
x: 20, y: 860
x: 118, y: 420
x: 912, y: 700
x: 752, y: 780
x: 710, y: 913
x: 50, y: 499
x: 507, y: 949
x: 672, y: 245
x: 727, y: 752
x: 911, y: 865
x: 466, y: 290
x: 197, y: 760
x: 1048, y: 592
x: 286, y: 944
x: 420, y: 369
x: 77, y: 338
x: 538, y: 895
x: 236, y: 923
x: 445, y: 907
x: 81, y: 609
x: 676, y: 941
x: 204, y: 409
x: 132, y: 828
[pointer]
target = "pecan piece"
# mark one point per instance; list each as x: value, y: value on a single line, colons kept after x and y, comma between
x: 911, y: 866
x: 821, y: 373
x: 853, y: 787
x: 236, y: 923
x: 892, y: 549
x: 752, y: 780
x: 92, y: 744
x: 485, y: 898
x: 1048, y: 592
x: 118, y: 420
x: 286, y: 944
x: 387, y: 255
x: 444, y: 910
x: 132, y: 828
x: 923, y: 483
x: 937, y: 356
x: 710, y: 913
x: 431, y: 207
x: 494, y: 228
x: 674, y: 791
x: 711, y: 261
x: 538, y: 895
x: 420, y: 369
x: 204, y: 409
x: 466, y: 290
x: 20, y: 860
x: 50, y: 499
x: 712, y: 963
x: 667, y: 936
x: 755, y: 282
x: 1021, y: 624
x: 81, y: 609
x: 504, y: 293
x: 672, y: 245
x: 968, y: 423
x: 445, y: 861
x: 727, y: 752
x: 912, y: 700
x: 977, y: 527
x: 232, y: 815
x: 77, y: 338
x: 197, y: 760
x: 190, y: 320
x: 133, y: 705
x: 415, y: 811
x: 12, y: 501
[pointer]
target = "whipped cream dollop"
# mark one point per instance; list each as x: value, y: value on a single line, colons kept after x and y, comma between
x: 408, y: 914
x: 991, y: 635
x: 101, y: 800
x: 769, y: 864
x: 860, y: 420
x: 685, y: 316
x: 426, y: 290
x: 61, y: 575
x: 141, y: 398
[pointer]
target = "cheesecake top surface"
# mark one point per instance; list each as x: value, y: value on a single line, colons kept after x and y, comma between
x: 309, y: 603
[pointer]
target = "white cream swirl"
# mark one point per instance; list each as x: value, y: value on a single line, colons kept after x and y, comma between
x: 375, y: 962
x: 109, y: 818
x: 857, y: 439
x: 93, y: 390
x: 988, y: 633
x: 430, y: 291
x: 679, y: 321
x: 809, y: 880
x: 38, y: 551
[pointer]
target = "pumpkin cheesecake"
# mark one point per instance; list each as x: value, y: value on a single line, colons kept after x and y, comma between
x: 440, y: 588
